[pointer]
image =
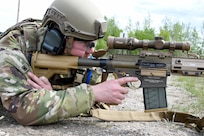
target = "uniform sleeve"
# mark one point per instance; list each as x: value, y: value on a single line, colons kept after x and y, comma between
x: 36, y: 107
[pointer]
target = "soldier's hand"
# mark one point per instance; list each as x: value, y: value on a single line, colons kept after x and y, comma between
x: 112, y: 91
x: 38, y: 83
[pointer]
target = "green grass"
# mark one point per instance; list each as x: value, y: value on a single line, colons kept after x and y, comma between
x: 194, y: 85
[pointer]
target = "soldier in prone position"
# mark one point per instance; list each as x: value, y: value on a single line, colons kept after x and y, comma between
x: 68, y: 28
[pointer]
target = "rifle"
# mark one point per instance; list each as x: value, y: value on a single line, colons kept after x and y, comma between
x: 151, y: 67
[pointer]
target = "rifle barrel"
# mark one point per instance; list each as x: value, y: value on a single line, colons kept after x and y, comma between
x: 106, y: 63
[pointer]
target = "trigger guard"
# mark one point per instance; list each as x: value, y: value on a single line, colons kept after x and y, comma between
x: 134, y: 85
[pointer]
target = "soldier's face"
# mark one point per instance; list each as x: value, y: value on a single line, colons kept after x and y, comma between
x: 82, y: 48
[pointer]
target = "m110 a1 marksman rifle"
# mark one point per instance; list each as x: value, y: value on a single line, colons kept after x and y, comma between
x: 152, y: 66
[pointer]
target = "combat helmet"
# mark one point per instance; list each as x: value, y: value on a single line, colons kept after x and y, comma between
x: 76, y: 18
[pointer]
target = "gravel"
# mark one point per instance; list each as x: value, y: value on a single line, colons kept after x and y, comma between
x: 89, y: 126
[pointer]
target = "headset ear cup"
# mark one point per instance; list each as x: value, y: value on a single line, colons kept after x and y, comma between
x: 54, y: 41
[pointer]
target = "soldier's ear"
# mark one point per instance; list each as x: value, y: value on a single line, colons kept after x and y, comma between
x: 54, y: 41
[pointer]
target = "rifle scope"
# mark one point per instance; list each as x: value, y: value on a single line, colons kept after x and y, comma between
x: 158, y: 43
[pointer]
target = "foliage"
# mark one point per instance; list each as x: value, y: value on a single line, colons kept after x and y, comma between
x: 101, y: 44
x: 165, y: 29
x: 112, y: 30
x: 147, y: 32
x: 194, y: 86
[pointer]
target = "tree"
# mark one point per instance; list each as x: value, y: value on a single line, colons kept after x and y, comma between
x: 129, y: 29
x: 112, y: 28
x: 195, y: 42
x: 148, y: 32
x: 176, y: 32
x: 164, y: 31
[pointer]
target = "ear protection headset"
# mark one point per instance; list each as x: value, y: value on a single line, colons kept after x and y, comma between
x: 54, y: 41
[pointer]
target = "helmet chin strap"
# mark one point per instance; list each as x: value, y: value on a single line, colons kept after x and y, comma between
x: 41, y: 33
x: 68, y: 45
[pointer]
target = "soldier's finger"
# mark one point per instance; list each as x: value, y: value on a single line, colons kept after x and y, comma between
x: 33, y: 76
x: 35, y: 79
x: 124, y: 80
x: 120, y: 97
x: 44, y: 80
x: 124, y: 90
x: 33, y: 84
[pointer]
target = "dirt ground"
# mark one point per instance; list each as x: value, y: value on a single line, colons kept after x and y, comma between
x: 89, y: 126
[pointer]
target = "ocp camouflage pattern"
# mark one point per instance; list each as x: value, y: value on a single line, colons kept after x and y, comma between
x: 27, y: 105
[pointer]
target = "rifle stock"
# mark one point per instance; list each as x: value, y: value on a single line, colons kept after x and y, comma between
x: 49, y: 65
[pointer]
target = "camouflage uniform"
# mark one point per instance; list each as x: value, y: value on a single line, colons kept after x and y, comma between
x: 27, y: 105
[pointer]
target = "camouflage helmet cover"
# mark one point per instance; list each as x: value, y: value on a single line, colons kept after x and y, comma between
x: 76, y: 18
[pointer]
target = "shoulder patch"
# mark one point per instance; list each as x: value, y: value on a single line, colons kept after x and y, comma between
x: 18, y: 63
